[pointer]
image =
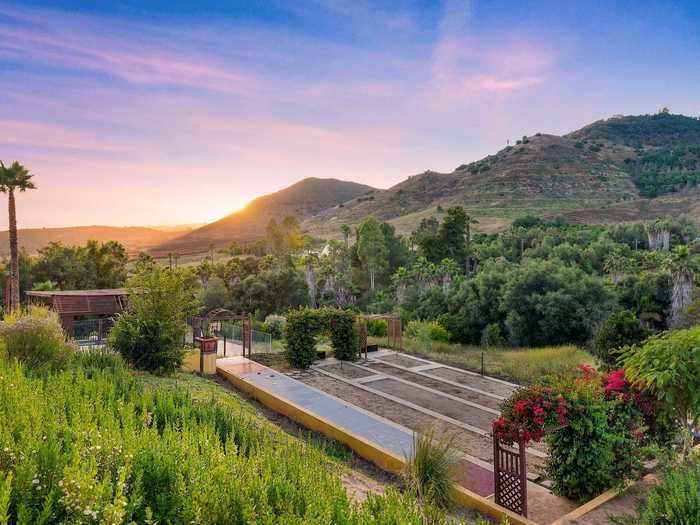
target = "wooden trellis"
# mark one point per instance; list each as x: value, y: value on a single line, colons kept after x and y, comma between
x: 201, y: 325
x: 394, y: 332
x: 510, y: 477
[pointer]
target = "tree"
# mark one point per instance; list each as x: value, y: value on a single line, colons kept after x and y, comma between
x: 371, y: 247
x: 616, y: 266
x: 14, y: 178
x: 215, y: 294
x: 345, y: 229
x: 669, y: 365
x: 682, y: 267
x: 453, y: 235
x: 150, y: 333
x: 619, y: 330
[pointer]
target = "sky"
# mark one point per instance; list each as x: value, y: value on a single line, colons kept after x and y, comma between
x: 163, y: 112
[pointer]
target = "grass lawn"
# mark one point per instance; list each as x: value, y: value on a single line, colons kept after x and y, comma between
x: 521, y: 365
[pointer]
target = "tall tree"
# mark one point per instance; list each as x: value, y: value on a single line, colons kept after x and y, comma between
x: 346, y: 234
x: 371, y: 247
x: 683, y: 268
x: 14, y: 178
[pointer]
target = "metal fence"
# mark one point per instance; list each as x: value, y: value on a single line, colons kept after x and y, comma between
x: 261, y: 341
x: 92, y: 332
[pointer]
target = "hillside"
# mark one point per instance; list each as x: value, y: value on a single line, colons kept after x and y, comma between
x: 611, y: 164
x: 307, y: 198
x: 135, y: 238
x: 621, y: 168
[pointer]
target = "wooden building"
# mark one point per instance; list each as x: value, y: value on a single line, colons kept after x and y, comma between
x: 76, y: 306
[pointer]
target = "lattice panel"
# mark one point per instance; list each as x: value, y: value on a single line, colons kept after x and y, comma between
x: 510, y: 478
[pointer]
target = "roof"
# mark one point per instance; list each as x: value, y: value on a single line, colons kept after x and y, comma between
x: 79, y: 293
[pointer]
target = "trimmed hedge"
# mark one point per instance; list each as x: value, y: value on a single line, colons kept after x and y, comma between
x: 304, y: 324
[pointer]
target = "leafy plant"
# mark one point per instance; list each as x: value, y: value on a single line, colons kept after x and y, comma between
x: 619, y: 330
x: 431, y: 468
x: 492, y: 336
x: 150, y: 333
x: 275, y: 325
x: 35, y: 338
x: 669, y: 365
x: 305, y: 324
x: 676, y: 500
x: 427, y: 330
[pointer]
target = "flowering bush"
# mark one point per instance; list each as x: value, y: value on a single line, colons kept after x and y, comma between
x: 593, y: 423
x: 529, y: 414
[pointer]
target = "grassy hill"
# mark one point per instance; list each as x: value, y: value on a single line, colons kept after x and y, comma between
x: 611, y: 168
x: 135, y: 238
x: 305, y: 199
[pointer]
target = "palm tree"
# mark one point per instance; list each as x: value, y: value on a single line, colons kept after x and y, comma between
x: 616, y: 265
x: 346, y: 234
x: 16, y: 177
x: 683, y: 268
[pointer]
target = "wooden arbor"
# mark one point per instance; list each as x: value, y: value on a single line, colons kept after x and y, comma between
x: 204, y: 326
x: 394, y: 331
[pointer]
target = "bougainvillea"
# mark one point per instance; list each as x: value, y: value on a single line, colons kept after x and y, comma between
x: 529, y: 414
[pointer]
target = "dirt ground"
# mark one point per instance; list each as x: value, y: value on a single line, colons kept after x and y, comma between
x: 467, y: 442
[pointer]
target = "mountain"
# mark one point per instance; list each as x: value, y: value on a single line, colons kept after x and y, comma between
x: 134, y: 238
x: 612, y: 164
x: 619, y: 169
x: 303, y: 200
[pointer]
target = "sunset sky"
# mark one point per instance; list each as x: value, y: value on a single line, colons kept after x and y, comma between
x: 147, y: 112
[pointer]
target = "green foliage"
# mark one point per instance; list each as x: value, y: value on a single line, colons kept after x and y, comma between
x: 675, y: 500
x: 669, y: 365
x: 665, y: 170
x: 492, y: 336
x: 430, y: 330
x: 95, y: 265
x: 619, y: 330
x: 305, y: 324
x: 371, y: 247
x: 376, y: 328
x: 582, y: 460
x: 35, y: 338
x: 431, y: 468
x: 92, y: 445
x: 275, y: 326
x: 150, y: 333
x: 214, y: 294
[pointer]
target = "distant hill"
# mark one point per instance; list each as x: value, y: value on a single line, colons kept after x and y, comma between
x: 307, y: 198
x: 611, y: 164
x: 617, y: 169
x: 134, y: 238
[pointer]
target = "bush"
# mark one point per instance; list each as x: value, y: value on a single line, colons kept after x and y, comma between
x: 98, y: 446
x: 275, y: 325
x: 430, y: 330
x: 150, y: 333
x: 35, y: 338
x: 492, y: 336
x: 215, y: 294
x: 376, y: 328
x: 305, y: 324
x: 619, y: 330
x: 676, y: 499
x: 431, y: 469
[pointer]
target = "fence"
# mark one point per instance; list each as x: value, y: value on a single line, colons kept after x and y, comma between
x: 261, y: 341
x: 92, y: 332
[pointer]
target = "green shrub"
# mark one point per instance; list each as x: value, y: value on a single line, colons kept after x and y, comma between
x: 676, y: 499
x: 430, y: 330
x: 305, y: 324
x: 35, y: 338
x: 275, y: 326
x: 215, y: 294
x: 150, y: 333
x: 596, y: 450
x: 100, y: 446
x: 619, y: 330
x: 492, y: 336
x: 376, y: 328
x: 431, y: 469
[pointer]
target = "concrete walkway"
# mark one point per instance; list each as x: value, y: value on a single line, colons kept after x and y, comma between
x: 382, y: 432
